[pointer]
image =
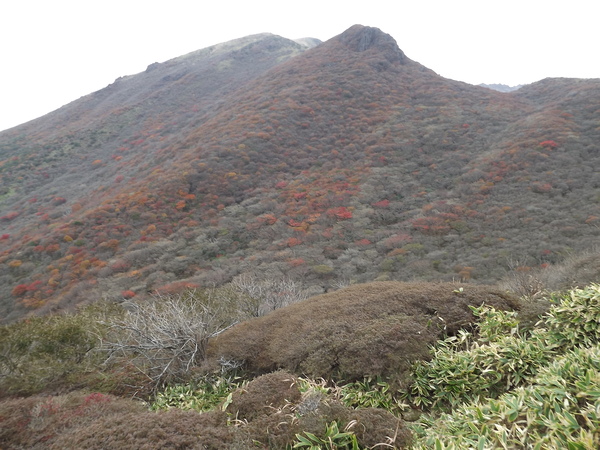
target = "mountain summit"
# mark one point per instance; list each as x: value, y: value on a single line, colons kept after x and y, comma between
x: 360, y: 38
x: 328, y: 164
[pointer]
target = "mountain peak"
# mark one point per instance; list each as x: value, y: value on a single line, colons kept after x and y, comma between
x: 361, y: 38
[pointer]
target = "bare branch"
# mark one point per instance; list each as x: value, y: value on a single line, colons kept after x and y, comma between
x: 168, y: 335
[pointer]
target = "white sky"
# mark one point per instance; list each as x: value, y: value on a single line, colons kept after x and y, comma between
x: 55, y: 51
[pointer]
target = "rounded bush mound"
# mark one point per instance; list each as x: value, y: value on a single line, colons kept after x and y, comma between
x: 374, y: 329
x: 267, y: 392
x: 278, y: 410
x: 375, y: 426
x: 42, y: 421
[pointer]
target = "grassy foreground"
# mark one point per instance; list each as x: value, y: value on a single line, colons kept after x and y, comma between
x: 503, y: 381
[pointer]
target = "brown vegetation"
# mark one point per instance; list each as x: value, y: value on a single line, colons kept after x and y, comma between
x: 38, y: 422
x: 272, y: 411
x: 370, y: 329
x: 151, y: 430
x: 271, y: 391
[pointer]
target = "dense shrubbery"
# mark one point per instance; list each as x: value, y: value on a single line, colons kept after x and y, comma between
x: 488, y: 384
x: 166, y: 337
x: 558, y: 408
x: 348, y: 164
x: 132, y: 346
x: 539, y: 390
x: 54, y: 352
x: 371, y: 329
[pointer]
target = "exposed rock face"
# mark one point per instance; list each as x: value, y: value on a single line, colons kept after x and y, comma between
x: 361, y: 38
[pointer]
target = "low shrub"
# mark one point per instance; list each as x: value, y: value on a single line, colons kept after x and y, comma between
x: 271, y: 391
x: 378, y: 428
x: 375, y: 329
x: 200, y: 395
x: 56, y: 352
x: 371, y: 393
x: 279, y: 410
x: 454, y: 376
x: 507, y: 390
x: 152, y: 430
x: 333, y: 439
x: 166, y: 336
x: 574, y: 319
x: 576, y: 270
x: 485, y: 363
x: 559, y: 409
x: 39, y: 421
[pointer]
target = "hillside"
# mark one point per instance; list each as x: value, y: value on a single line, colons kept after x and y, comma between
x: 344, y: 162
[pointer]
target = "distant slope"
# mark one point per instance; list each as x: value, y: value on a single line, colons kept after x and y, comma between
x: 344, y: 162
x: 501, y: 87
x: 156, y: 105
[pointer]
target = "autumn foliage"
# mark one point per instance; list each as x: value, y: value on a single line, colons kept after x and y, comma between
x: 348, y: 162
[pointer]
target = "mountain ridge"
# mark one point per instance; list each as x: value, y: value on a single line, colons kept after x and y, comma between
x: 342, y: 162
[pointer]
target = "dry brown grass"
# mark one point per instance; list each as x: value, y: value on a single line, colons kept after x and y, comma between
x: 368, y: 329
x: 534, y: 285
x: 269, y: 411
x: 374, y: 426
x: 98, y: 421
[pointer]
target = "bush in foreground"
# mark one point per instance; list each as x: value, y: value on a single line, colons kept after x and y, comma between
x: 40, y: 421
x: 538, y: 390
x: 560, y: 408
x: 375, y: 329
x: 491, y: 385
x: 166, y: 337
x: 55, y: 353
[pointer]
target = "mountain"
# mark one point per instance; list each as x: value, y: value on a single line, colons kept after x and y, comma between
x: 341, y: 162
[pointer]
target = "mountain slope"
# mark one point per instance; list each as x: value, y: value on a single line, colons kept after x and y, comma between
x: 344, y: 162
x: 156, y: 105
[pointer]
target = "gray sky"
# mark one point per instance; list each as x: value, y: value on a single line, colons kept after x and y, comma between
x: 55, y: 51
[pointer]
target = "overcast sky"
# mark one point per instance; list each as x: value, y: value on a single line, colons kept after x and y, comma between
x: 55, y: 51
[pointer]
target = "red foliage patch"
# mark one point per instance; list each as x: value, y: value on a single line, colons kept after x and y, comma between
x: 341, y: 213
x: 120, y: 265
x: 127, y: 294
x: 382, y: 204
x: 548, y: 144
x: 19, y: 290
x: 175, y: 287
x: 10, y: 216
x: 292, y: 242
